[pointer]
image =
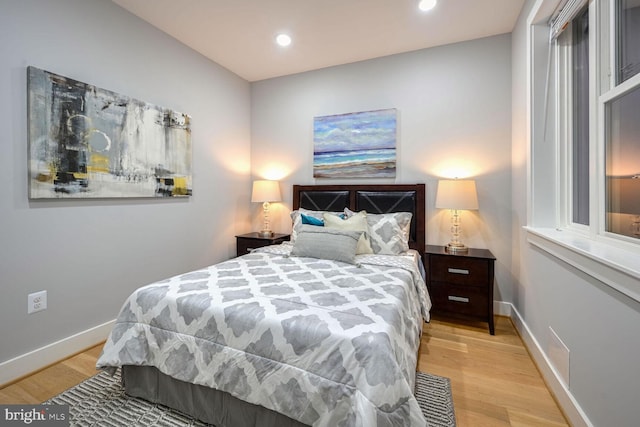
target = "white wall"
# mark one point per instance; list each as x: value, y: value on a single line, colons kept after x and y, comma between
x: 454, y: 109
x: 89, y: 255
x: 598, y: 324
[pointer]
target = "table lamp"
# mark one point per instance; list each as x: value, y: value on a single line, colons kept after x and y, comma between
x: 456, y: 194
x: 265, y: 191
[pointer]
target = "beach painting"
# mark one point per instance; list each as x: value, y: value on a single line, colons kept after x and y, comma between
x: 355, y: 145
x: 87, y: 142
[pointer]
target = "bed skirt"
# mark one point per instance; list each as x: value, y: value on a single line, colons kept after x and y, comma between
x: 203, y: 403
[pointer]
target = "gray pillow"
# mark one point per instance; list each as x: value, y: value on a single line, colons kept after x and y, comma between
x: 326, y: 243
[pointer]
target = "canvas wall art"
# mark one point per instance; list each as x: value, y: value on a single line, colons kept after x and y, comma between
x: 355, y: 145
x: 87, y: 142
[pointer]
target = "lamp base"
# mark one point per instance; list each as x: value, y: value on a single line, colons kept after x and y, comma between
x: 265, y: 233
x: 456, y: 247
x: 635, y: 226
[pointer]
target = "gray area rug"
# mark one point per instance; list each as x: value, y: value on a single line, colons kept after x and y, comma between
x: 100, y: 401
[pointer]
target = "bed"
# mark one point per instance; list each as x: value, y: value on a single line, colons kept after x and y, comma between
x: 285, y: 336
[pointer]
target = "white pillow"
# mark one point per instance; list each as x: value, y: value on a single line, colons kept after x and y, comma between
x: 357, y: 222
x: 388, y: 233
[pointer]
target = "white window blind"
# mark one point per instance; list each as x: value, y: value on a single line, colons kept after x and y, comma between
x: 564, y: 14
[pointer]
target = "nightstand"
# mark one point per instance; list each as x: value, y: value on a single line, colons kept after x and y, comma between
x: 461, y: 283
x: 245, y: 243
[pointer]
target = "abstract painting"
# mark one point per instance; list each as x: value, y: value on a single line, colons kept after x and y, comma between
x: 355, y: 145
x: 87, y: 142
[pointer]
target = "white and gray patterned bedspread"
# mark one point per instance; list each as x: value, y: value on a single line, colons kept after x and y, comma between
x: 323, y: 342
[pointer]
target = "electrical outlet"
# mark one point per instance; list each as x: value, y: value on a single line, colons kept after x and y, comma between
x: 36, y: 301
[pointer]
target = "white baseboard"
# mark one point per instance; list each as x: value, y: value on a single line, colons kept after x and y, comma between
x: 567, y: 402
x: 25, y: 364
x: 501, y: 308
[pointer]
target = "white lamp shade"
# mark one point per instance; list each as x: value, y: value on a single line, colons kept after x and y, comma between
x: 265, y: 191
x: 456, y: 194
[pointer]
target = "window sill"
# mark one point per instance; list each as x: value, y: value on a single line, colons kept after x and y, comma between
x: 617, y: 267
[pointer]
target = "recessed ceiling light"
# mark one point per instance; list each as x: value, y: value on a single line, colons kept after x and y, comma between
x: 426, y: 5
x: 283, y: 40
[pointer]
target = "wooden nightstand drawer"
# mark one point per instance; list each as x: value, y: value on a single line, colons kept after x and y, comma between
x: 244, y: 246
x: 459, y: 299
x: 462, y: 271
x: 245, y: 243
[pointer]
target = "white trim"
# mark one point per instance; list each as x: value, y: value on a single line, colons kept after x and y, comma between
x: 563, y: 132
x: 622, y: 89
x: 572, y: 410
x: 615, y: 266
x: 529, y: 110
x: 596, y: 149
x: 607, y: 45
x: 501, y: 308
x: 27, y: 363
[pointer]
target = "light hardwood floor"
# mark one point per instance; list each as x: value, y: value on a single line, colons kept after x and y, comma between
x: 494, y: 381
x: 52, y: 380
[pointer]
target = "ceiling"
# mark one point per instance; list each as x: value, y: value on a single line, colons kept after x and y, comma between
x: 239, y: 34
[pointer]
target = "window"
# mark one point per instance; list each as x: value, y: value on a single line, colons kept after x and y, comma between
x: 580, y: 125
x: 623, y: 164
x: 628, y: 39
x: 611, y: 142
x: 622, y: 127
x: 584, y: 137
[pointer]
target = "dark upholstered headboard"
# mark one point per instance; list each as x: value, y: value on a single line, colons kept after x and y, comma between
x: 376, y: 199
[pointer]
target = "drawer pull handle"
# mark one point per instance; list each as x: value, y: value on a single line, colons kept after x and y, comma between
x: 458, y: 271
x: 458, y: 299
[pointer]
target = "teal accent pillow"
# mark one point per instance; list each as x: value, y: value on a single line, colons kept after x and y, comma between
x: 307, y: 219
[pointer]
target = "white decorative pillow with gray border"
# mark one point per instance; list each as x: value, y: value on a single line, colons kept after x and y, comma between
x: 388, y: 233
